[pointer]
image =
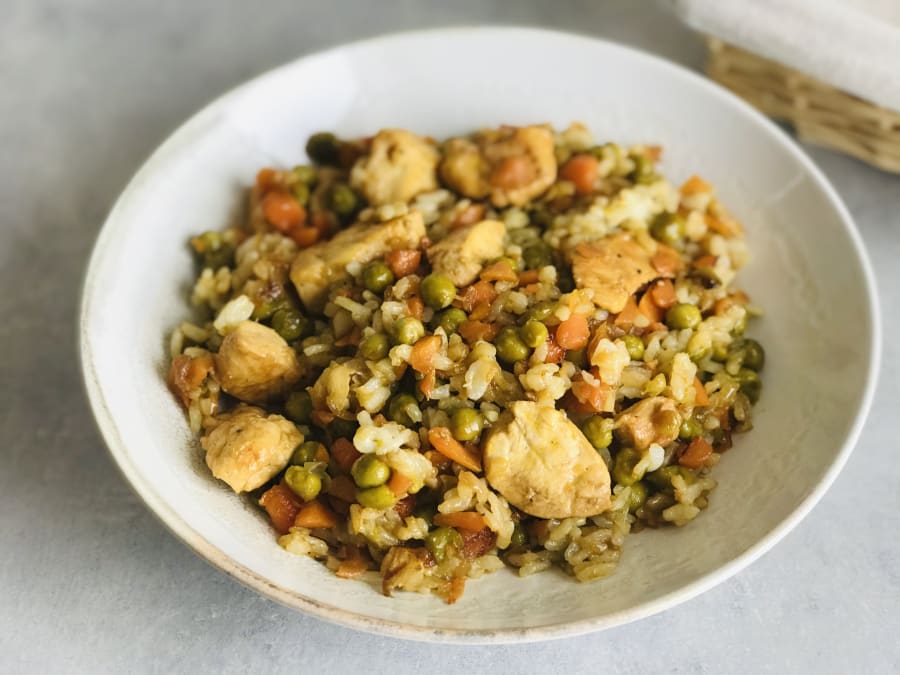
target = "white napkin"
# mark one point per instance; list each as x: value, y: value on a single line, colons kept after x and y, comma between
x: 851, y: 44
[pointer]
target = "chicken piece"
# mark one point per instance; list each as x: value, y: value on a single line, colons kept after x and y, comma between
x: 462, y: 253
x: 511, y: 165
x: 399, y: 166
x: 246, y: 448
x: 614, y: 268
x: 652, y: 420
x: 317, y: 267
x: 542, y: 464
x: 255, y: 364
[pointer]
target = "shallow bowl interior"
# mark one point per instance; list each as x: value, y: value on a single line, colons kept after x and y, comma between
x: 808, y: 272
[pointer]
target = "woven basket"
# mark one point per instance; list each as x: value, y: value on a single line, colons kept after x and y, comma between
x: 820, y: 113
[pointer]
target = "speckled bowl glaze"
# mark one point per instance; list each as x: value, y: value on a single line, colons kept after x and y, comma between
x: 808, y: 271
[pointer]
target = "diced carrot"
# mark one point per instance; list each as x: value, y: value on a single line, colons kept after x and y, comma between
x: 399, y: 484
x: 653, y: 152
x: 421, y: 357
x: 700, y: 396
x: 480, y: 311
x: 666, y: 260
x: 403, y: 261
x: 283, y: 211
x: 581, y: 170
x: 473, y: 331
x: 468, y: 216
x: 625, y: 319
x: 499, y: 271
x: 718, y: 226
x: 322, y: 418
x: 415, y: 306
x: 479, y: 292
x: 513, y: 172
x: 573, y: 333
x: 343, y: 488
x: 464, y: 520
x: 344, y: 453
x: 187, y: 373
x: 529, y: 277
x: 266, y: 179
x: 695, y: 185
x: 315, y: 514
x: 443, y: 442
x: 663, y: 293
x: 555, y: 353
x: 705, y: 262
x: 427, y: 384
x: 649, y: 308
x: 599, y: 397
x: 696, y: 454
x: 282, y: 505
x: 305, y: 236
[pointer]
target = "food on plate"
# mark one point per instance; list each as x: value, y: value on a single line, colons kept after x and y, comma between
x: 432, y: 360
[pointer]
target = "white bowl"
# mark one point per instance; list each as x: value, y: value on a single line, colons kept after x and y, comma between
x: 809, y: 272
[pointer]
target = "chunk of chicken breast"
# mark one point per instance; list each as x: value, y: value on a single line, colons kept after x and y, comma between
x: 510, y: 165
x: 399, y: 166
x: 614, y: 268
x: 255, y: 364
x: 246, y: 447
x: 462, y: 253
x: 317, y: 267
x: 652, y: 420
x: 543, y: 465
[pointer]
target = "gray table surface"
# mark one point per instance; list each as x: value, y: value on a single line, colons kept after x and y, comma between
x: 90, y: 581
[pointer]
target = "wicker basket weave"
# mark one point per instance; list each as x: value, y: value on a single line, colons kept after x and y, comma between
x: 820, y: 113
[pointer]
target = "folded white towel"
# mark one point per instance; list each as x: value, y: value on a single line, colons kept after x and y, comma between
x: 851, y: 44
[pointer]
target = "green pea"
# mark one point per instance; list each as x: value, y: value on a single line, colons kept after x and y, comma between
x: 409, y: 330
x: 540, y: 311
x: 375, y: 347
x: 719, y: 353
x: 635, y: 347
x: 644, y: 171
x: 510, y: 347
x: 750, y: 384
x: 437, y: 291
x: 290, y: 324
x: 598, y: 430
x: 377, y: 276
x: 662, y: 478
x: 690, y: 428
x: 266, y: 307
x: 308, y: 451
x: 533, y: 333
x: 519, y: 537
x: 637, y: 496
x: 683, y: 315
x: 298, y: 407
x: 668, y: 228
x: 303, y: 482
x: 323, y: 148
x: 213, y: 249
x: 754, y: 354
x: 301, y: 193
x: 404, y: 409
x: 308, y: 175
x: 342, y: 199
x: 341, y: 428
x: 208, y: 241
x: 667, y: 423
x: 466, y: 424
x: 450, y: 319
x: 223, y: 257
x: 537, y: 256
x: 624, y: 466
x: 379, y: 497
x: 440, y: 540
x: 368, y: 471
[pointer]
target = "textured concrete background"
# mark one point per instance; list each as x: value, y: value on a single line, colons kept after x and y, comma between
x: 91, y: 582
